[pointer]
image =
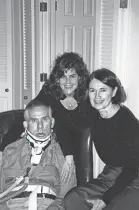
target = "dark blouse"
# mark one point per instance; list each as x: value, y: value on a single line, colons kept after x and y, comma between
x: 117, y: 143
x: 68, y: 123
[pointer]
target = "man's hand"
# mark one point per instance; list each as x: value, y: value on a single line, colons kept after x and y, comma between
x: 97, y: 204
x: 67, y: 170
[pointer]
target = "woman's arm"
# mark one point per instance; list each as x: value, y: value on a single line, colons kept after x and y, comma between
x: 129, y: 139
x: 64, y: 137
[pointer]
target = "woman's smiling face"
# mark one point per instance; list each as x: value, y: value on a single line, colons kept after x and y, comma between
x: 69, y: 82
x: 100, y: 95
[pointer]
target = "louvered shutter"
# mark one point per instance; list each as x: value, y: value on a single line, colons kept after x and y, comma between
x: 27, y: 50
x: 107, y: 15
x: 28, y: 46
x: 106, y: 39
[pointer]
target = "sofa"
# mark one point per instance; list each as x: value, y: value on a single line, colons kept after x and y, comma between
x: 12, y: 122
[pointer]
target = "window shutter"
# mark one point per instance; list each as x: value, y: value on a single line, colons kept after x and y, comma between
x: 27, y: 43
x: 106, y: 27
x: 106, y: 33
x: 28, y: 48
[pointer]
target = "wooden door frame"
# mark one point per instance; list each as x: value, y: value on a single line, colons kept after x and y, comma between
x: 17, y: 54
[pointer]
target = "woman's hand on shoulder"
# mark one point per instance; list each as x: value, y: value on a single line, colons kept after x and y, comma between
x: 68, y: 169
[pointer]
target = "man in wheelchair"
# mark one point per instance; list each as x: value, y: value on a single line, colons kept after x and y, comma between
x: 30, y: 176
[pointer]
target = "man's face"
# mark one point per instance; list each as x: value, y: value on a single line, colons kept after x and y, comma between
x: 40, y: 121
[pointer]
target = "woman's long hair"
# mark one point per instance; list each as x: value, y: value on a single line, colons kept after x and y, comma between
x: 65, y: 62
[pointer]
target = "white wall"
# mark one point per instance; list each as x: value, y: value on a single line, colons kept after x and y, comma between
x: 133, y: 58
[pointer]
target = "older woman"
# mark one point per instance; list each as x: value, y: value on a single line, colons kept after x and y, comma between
x: 116, y: 138
x: 66, y: 91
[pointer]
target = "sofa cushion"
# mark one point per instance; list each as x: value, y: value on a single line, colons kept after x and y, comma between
x: 11, y: 127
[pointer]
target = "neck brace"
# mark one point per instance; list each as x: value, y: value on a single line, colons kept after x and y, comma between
x: 37, y: 146
x: 37, y: 142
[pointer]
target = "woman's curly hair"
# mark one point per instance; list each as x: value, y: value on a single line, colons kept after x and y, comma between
x: 62, y: 63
